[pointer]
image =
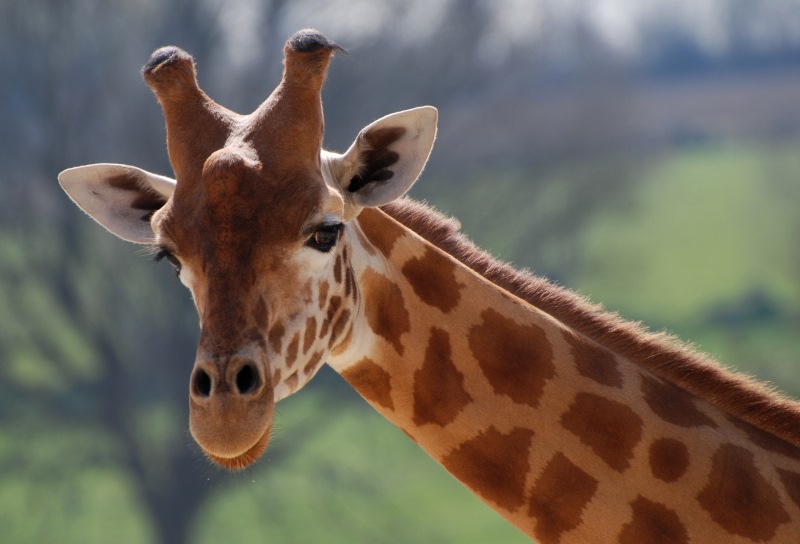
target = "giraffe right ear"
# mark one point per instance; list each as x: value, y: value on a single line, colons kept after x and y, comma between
x: 387, y: 157
x: 121, y: 198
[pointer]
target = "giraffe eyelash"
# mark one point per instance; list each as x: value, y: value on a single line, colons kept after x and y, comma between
x: 159, y: 254
x: 163, y: 253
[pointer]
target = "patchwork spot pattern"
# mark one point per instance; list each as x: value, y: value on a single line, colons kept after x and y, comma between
x: 653, y: 523
x: 559, y: 497
x: 593, y: 361
x: 439, y: 394
x: 494, y: 464
x: 669, y: 459
x: 386, y: 314
x: 338, y: 327
x: 739, y: 498
x: 611, y: 429
x: 517, y: 360
x: 433, y: 279
x: 371, y: 381
x: 791, y: 481
x: 673, y: 404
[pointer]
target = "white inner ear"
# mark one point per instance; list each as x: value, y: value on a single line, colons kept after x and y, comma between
x: 121, y: 198
x: 417, y: 129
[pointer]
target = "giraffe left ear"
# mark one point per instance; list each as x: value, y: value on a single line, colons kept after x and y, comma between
x: 387, y: 157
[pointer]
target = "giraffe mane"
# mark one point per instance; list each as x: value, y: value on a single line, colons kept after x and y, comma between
x: 743, y: 397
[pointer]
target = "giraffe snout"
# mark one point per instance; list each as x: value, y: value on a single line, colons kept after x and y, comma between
x: 231, y: 404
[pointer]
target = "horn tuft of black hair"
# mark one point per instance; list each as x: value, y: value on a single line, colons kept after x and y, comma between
x: 309, y: 40
x: 164, y: 56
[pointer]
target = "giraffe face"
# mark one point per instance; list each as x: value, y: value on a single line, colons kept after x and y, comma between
x: 268, y: 286
x: 256, y: 225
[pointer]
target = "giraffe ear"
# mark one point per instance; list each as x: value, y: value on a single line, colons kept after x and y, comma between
x: 121, y: 198
x: 387, y: 157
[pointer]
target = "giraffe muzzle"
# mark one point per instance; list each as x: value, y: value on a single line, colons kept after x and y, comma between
x: 231, y: 406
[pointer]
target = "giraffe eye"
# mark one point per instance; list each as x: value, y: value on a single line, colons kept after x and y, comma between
x: 170, y: 258
x: 325, y: 237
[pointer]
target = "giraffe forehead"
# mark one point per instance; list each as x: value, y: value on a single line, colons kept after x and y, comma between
x: 244, y: 209
x: 241, y: 233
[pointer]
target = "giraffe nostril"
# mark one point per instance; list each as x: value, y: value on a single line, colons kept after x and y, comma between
x: 247, y: 379
x: 202, y: 383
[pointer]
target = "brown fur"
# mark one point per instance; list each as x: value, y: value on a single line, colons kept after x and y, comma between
x: 740, y: 396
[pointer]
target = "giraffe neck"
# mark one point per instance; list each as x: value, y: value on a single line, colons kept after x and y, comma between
x: 568, y: 440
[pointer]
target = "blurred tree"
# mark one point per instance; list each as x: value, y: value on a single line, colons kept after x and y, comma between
x: 119, y: 367
x: 91, y: 339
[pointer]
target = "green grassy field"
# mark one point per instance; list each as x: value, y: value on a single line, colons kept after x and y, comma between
x: 709, y: 227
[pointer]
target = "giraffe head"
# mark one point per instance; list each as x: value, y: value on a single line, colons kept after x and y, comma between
x: 254, y: 224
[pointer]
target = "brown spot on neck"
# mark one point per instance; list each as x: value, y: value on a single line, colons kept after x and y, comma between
x: 609, y: 428
x: 342, y: 345
x: 791, y: 481
x: 559, y: 497
x: 739, y: 499
x: 494, y: 465
x: 767, y: 441
x: 381, y: 235
x: 669, y: 459
x: 653, y: 523
x: 371, y: 381
x: 439, y: 394
x: 593, y: 361
x: 386, y: 313
x: 338, y: 327
x: 673, y: 404
x: 433, y: 279
x: 333, y: 307
x: 517, y: 360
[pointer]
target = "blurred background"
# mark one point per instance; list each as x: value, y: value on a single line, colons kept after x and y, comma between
x: 643, y: 152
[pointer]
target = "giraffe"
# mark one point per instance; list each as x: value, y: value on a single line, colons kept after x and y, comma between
x: 573, y: 424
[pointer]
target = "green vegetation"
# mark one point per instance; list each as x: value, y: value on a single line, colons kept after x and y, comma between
x: 709, y: 227
x: 701, y: 242
x: 708, y: 252
x: 357, y: 478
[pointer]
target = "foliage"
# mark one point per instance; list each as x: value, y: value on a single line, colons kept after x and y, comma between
x: 543, y: 154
